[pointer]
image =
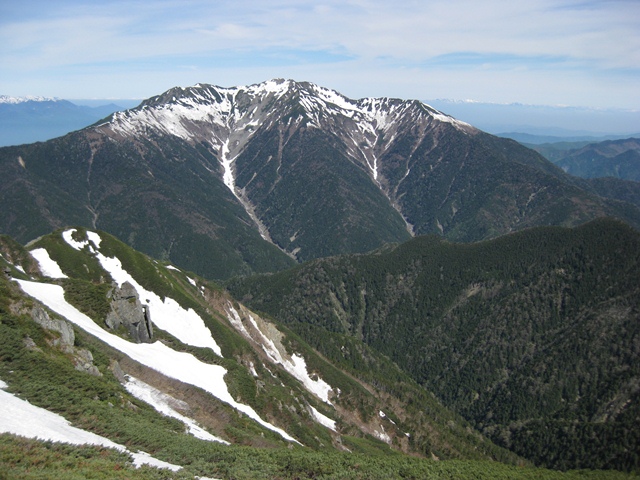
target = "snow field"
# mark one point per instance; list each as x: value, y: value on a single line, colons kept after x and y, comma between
x: 179, y: 365
x: 19, y: 417
x: 323, y: 419
x: 48, y: 267
x: 167, y: 314
x: 297, y: 366
x: 163, y: 404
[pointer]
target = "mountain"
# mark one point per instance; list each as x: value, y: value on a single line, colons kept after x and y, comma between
x: 612, y: 167
x: 616, y: 188
x: 32, y: 119
x: 230, y: 181
x: 140, y: 356
x: 532, y: 337
x: 611, y: 158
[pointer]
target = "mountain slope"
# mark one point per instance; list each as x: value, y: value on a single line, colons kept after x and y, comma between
x: 611, y: 158
x: 532, y: 336
x: 219, y: 373
x: 229, y: 181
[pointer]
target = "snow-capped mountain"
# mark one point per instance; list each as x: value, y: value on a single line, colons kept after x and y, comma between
x: 227, y: 118
x: 29, y: 98
x: 226, y: 181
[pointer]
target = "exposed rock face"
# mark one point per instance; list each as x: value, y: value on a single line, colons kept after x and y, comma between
x: 82, y: 358
x: 117, y: 371
x: 127, y: 310
x: 67, y: 337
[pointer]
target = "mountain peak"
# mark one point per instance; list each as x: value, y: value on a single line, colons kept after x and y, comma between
x: 227, y: 105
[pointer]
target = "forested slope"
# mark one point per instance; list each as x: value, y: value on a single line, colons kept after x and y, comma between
x: 534, y: 336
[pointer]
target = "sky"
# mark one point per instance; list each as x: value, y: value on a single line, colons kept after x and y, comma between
x: 540, y: 52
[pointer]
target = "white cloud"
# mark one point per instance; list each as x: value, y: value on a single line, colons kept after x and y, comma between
x: 354, y: 45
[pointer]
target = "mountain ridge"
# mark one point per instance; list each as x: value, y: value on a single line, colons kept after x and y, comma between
x: 243, y: 172
x: 516, y: 333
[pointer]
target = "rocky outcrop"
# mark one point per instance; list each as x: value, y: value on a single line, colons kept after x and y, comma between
x: 128, y: 311
x: 83, y: 361
x: 66, y: 339
x: 82, y: 358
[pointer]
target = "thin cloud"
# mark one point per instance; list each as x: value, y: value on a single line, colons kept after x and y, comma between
x: 406, y: 47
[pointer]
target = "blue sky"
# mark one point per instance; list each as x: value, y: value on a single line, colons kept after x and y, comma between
x: 560, y: 52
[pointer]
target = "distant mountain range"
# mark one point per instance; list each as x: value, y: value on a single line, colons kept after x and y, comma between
x: 611, y: 158
x: 544, y: 123
x: 228, y: 181
x: 32, y: 119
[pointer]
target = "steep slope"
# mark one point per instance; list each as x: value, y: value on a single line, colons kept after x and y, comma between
x: 611, y: 158
x: 210, y: 371
x: 615, y: 188
x: 533, y: 336
x: 230, y: 181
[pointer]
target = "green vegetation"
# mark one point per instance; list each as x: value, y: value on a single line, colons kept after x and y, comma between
x: 529, y: 336
x: 73, y: 263
x: 157, y: 194
x: 30, y: 459
x: 367, y: 380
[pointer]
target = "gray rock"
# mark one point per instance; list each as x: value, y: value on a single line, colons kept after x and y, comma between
x: 117, y: 371
x: 30, y: 344
x: 83, y: 361
x: 67, y: 336
x: 128, y: 311
x: 82, y: 358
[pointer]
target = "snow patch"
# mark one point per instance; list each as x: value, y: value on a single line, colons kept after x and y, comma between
x: 186, y: 325
x: 19, y: 417
x: 382, y: 435
x: 296, y: 366
x: 323, y: 419
x: 226, y: 162
x: 48, y: 266
x: 236, y: 321
x: 93, y: 237
x: 163, y: 404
